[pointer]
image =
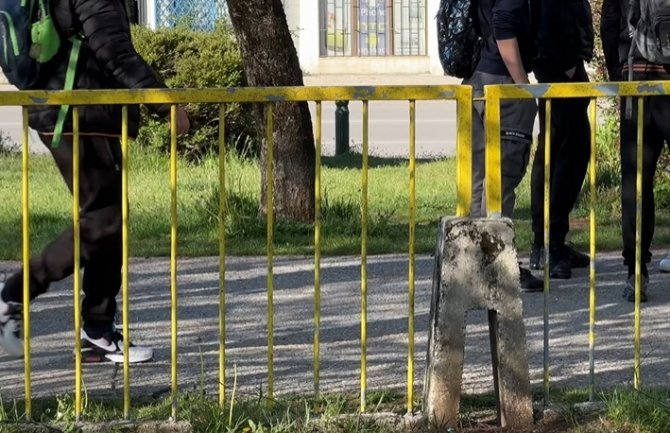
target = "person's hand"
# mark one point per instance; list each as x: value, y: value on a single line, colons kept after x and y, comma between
x: 183, y: 124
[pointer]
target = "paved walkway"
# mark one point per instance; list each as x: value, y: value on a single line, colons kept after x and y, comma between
x: 340, y: 350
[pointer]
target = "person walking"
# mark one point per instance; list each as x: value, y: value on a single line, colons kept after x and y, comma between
x: 107, y: 60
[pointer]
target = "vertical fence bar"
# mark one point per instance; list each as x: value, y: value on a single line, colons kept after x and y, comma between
x: 173, y: 255
x: 592, y: 248
x: 269, y: 191
x: 25, y: 222
x: 547, y: 204
x: 364, y: 258
x: 637, y: 379
x: 76, y: 233
x: 124, y: 261
x: 412, y: 256
x: 464, y: 151
x: 317, y: 250
x: 493, y: 186
x: 222, y: 255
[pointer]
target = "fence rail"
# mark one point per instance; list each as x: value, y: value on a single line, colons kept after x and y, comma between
x: 271, y: 96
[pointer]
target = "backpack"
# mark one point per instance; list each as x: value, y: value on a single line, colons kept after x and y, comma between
x: 28, y: 39
x: 459, y: 42
x: 649, y: 25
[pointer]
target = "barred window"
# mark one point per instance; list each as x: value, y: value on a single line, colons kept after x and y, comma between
x: 372, y: 27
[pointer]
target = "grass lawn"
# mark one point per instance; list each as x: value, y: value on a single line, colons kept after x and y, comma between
x: 622, y: 411
x: 50, y: 205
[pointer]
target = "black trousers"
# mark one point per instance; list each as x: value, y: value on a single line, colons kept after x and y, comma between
x: 569, y: 156
x: 100, y: 230
x: 656, y: 130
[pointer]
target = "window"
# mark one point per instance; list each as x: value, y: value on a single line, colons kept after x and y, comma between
x: 372, y: 28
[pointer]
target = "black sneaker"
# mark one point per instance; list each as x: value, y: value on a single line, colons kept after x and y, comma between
x: 109, y: 347
x: 10, y: 326
x: 528, y: 282
x: 559, y: 263
x: 576, y: 259
x: 629, y: 289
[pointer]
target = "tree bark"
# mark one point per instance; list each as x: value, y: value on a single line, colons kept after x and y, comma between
x: 270, y: 59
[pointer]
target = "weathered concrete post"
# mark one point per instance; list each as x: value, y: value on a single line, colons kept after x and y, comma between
x: 476, y: 268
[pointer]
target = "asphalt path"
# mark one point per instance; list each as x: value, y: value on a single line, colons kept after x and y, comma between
x: 246, y: 329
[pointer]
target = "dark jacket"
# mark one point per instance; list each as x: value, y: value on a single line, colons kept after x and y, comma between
x: 107, y: 60
x: 500, y: 20
x: 616, y: 45
x: 563, y: 30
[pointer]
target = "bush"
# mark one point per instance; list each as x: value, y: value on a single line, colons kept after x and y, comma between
x: 186, y: 58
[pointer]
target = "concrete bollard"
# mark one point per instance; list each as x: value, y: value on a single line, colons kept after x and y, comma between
x: 476, y: 268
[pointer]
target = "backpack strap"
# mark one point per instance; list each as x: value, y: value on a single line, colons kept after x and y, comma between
x: 632, y: 5
x: 69, y: 85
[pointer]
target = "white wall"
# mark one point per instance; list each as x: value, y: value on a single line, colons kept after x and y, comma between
x: 303, y: 21
x: 150, y: 11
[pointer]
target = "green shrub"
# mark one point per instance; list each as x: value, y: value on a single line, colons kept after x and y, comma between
x: 186, y: 58
x: 662, y: 183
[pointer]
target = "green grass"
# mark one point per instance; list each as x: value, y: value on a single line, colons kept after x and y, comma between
x: 626, y: 411
x: 198, y: 193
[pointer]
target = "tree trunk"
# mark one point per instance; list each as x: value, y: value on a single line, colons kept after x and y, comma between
x: 270, y: 59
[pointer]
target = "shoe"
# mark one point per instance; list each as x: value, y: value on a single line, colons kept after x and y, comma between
x: 10, y: 326
x: 528, y: 282
x: 664, y: 265
x: 576, y: 259
x: 109, y: 347
x: 629, y: 290
x: 559, y: 263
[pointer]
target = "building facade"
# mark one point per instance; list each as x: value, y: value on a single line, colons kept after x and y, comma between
x: 335, y: 36
x: 365, y: 36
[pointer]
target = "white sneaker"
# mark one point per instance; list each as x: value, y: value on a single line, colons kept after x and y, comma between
x: 109, y: 347
x: 10, y: 326
x: 664, y: 264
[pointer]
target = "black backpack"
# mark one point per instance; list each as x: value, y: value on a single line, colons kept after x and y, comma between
x: 458, y: 39
x: 649, y: 27
x: 28, y: 40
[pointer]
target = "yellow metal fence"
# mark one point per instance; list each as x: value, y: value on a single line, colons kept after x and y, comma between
x: 268, y: 96
x: 271, y: 96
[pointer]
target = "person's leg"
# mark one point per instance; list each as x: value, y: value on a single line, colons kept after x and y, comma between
x: 543, y: 75
x: 102, y: 266
x: 517, y: 119
x: 660, y: 110
x: 569, y: 156
x: 477, y: 206
x: 570, y: 159
x: 652, y: 145
x: 100, y: 229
